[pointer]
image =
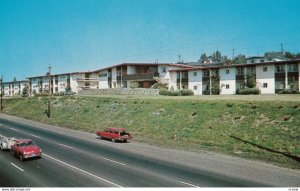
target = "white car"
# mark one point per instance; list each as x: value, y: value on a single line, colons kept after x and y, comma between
x: 6, y: 143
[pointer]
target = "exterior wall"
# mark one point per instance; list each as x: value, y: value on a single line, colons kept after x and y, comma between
x: 227, y: 81
x: 103, y: 79
x: 62, y: 83
x: 173, y: 81
x: 267, y: 77
x: 73, y: 82
x: 195, y: 81
x: 114, y: 77
x: 131, y: 69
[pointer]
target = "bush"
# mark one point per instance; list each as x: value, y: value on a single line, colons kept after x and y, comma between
x: 288, y: 92
x: 186, y: 92
x: 176, y: 93
x: 248, y: 91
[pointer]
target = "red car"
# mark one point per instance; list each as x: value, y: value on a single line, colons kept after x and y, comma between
x: 114, y: 134
x: 25, y: 148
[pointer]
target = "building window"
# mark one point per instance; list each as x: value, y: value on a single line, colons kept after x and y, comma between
x: 195, y: 87
x: 206, y: 73
x: 195, y: 73
x: 227, y: 71
x: 265, y: 69
x: 280, y: 69
x: 163, y: 69
x: 252, y: 61
x: 262, y: 61
x: 240, y: 71
x: 227, y: 86
x: 293, y: 68
x: 265, y: 85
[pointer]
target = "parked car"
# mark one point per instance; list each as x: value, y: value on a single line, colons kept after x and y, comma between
x: 25, y: 148
x: 114, y: 134
x: 6, y: 143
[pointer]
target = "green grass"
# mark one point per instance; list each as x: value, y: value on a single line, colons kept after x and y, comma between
x: 194, y: 123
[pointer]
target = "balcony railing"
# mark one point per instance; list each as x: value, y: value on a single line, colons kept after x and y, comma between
x: 87, y: 79
x: 140, y: 76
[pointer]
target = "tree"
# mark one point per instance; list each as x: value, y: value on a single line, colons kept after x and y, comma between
x: 289, y: 55
x: 239, y: 59
x: 217, y: 55
x: 203, y: 56
x: 25, y: 91
x: 250, y: 81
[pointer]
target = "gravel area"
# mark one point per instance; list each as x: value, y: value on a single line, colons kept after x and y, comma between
x: 207, y: 161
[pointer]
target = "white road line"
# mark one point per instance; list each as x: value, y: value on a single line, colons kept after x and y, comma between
x: 35, y: 136
x: 114, y: 161
x: 81, y: 170
x: 17, y: 167
x: 14, y: 129
x: 66, y: 146
x: 188, y: 184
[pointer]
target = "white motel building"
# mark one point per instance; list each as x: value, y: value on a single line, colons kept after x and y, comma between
x: 271, y: 75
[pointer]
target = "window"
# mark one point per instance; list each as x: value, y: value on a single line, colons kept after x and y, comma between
x: 195, y: 87
x: 265, y: 85
x: 262, y: 61
x: 215, y: 72
x: 240, y: 71
x: 293, y: 68
x: 265, y: 69
x: 163, y: 69
x: 227, y: 86
x: 280, y: 68
x: 195, y: 73
x: 206, y: 73
x: 185, y: 75
x: 227, y: 71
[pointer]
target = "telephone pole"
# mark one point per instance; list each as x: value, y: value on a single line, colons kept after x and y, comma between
x: 49, y: 92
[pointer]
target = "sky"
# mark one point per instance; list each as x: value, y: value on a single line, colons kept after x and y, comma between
x: 85, y: 35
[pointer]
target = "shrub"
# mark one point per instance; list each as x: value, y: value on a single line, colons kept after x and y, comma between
x: 176, y: 93
x: 186, y: 92
x: 289, y: 92
x: 163, y: 92
x: 248, y: 91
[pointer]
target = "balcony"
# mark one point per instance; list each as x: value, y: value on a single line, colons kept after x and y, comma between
x: 140, y: 76
x: 87, y: 79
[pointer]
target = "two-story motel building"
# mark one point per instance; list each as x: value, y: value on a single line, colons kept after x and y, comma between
x: 206, y: 79
x: 271, y: 77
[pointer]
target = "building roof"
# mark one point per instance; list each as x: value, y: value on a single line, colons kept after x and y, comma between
x: 204, y: 67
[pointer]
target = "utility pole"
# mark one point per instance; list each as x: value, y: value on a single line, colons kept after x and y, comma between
x: 49, y: 92
x: 232, y: 53
x: 282, y: 50
x: 1, y: 80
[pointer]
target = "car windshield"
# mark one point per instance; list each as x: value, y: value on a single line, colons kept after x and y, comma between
x: 26, y: 144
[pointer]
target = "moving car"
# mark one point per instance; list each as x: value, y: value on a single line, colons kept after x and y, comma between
x: 26, y: 148
x: 6, y: 143
x: 114, y: 134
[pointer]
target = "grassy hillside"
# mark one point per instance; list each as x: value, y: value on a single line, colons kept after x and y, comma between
x: 262, y: 130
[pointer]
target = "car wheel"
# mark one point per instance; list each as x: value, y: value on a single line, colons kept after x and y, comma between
x: 113, y: 140
x: 21, y: 157
x: 99, y: 137
x: 1, y: 147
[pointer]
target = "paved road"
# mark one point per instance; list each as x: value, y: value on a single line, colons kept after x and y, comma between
x: 73, y: 158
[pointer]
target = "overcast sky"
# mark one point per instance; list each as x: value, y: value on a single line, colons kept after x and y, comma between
x: 82, y: 35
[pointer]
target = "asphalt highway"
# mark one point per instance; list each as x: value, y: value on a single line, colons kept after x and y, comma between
x: 68, y: 161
